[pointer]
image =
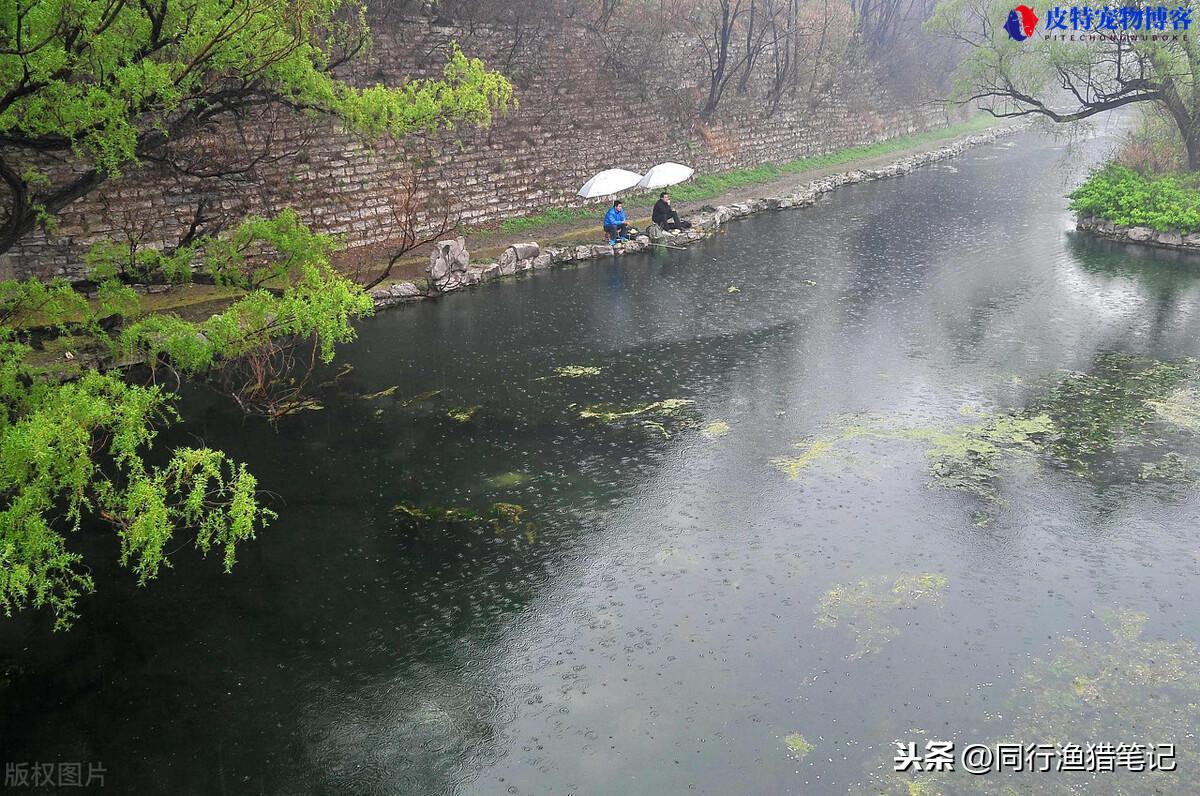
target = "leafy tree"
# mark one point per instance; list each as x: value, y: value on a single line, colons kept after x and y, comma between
x: 108, y: 83
x: 1067, y: 81
x: 75, y: 452
x: 88, y: 89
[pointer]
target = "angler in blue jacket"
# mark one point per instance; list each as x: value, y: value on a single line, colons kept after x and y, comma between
x: 614, y: 223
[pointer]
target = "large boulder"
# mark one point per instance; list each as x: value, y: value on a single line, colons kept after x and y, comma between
x: 448, y: 263
x: 1139, y: 233
x: 544, y: 260
x: 508, y: 260
x: 655, y: 234
x: 526, y: 251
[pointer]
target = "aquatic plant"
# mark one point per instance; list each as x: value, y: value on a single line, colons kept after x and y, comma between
x: 1181, y: 408
x: 421, y: 397
x: 664, y: 408
x: 653, y: 416
x: 384, y: 393
x: 463, y: 414
x: 964, y: 457
x: 577, y: 371
x: 1122, y: 689
x: 870, y: 607
x: 501, y: 517
x: 507, y: 480
x: 717, y: 428
x: 1109, y: 406
x: 1172, y: 468
x: 798, y: 745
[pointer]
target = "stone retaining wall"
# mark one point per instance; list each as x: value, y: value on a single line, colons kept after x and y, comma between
x: 450, y: 268
x: 572, y: 122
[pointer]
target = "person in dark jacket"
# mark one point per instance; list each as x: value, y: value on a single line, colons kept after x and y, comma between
x: 614, y: 223
x: 666, y: 216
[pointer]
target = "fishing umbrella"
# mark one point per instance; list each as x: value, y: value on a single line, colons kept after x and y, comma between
x: 608, y: 182
x: 665, y: 174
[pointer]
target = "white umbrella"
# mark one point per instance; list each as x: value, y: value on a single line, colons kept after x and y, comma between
x: 665, y: 174
x: 608, y: 182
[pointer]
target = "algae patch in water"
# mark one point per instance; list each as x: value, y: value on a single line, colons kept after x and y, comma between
x: 1181, y: 408
x: 871, y: 608
x: 1108, y: 694
x: 501, y: 517
x: 798, y: 745
x: 966, y: 457
x: 717, y: 428
x: 384, y: 393
x: 658, y: 416
x: 463, y: 414
x: 507, y: 480
x: 420, y: 397
x: 1172, y: 468
x: 1125, y: 688
x: 576, y: 371
x: 1080, y: 416
x: 664, y: 408
x: 1110, y: 406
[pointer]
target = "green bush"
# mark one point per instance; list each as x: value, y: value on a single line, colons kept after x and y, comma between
x: 1125, y: 197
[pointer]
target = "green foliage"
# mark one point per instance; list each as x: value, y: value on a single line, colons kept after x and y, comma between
x: 101, y: 74
x: 100, y: 85
x: 309, y: 300
x: 1054, y: 77
x: 1128, y: 198
x: 110, y: 260
x: 73, y: 454
x: 74, y: 451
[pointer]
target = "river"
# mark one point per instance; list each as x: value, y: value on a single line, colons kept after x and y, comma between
x: 915, y: 464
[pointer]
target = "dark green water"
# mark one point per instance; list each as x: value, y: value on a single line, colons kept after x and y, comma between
x: 658, y: 629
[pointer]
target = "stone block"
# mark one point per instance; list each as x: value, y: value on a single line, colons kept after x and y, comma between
x: 526, y: 251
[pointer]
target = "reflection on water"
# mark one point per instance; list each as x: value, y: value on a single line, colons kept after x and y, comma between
x: 538, y: 540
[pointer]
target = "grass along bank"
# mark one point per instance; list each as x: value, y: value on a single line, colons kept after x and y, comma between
x: 708, y: 186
